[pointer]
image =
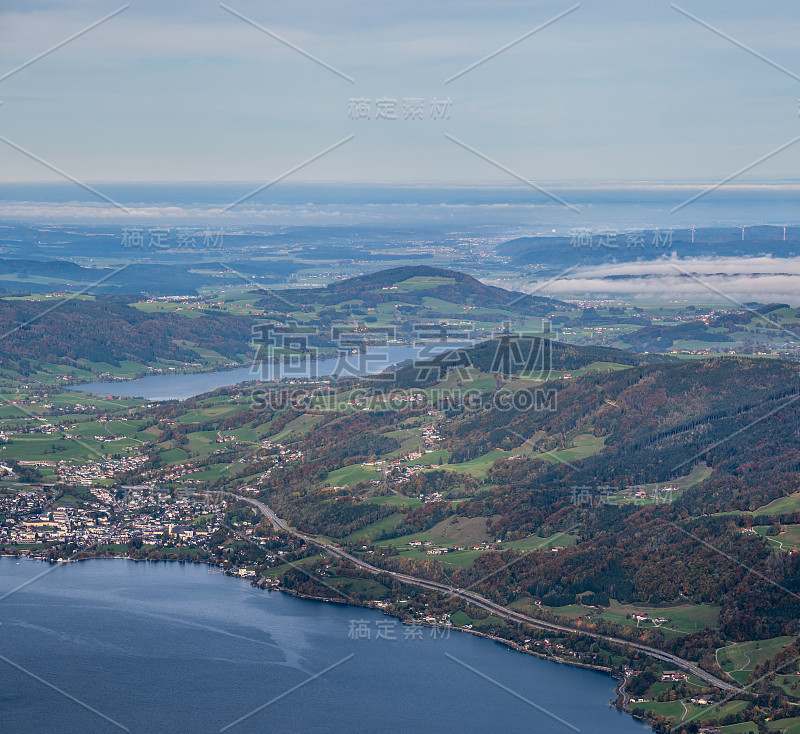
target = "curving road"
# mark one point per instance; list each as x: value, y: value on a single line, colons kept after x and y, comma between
x: 487, y: 604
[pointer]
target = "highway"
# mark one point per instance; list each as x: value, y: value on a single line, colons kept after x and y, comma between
x: 484, y: 603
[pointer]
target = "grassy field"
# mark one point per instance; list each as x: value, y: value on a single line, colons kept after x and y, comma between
x: 456, y: 559
x: 683, y: 618
x: 353, y: 474
x: 787, y: 726
x: 718, y: 711
x: 478, y: 468
x: 791, y: 686
x: 571, y: 611
x: 459, y: 531
x: 584, y: 445
x: 33, y: 447
x: 212, y: 473
x: 787, y: 540
x: 278, y: 571
x: 298, y: 427
x: 464, y: 532
x: 698, y: 473
x: 780, y: 506
x: 739, y: 659
x: 431, y: 458
x: 386, y: 524
x: 202, y: 443
x: 593, y: 367
x: 409, y: 439
x: 746, y: 727
x: 534, y: 542
x: 200, y: 415
x: 692, y: 712
x: 467, y: 533
x: 673, y: 709
x: 459, y: 619
x: 122, y: 429
x: 467, y: 379
x: 174, y: 456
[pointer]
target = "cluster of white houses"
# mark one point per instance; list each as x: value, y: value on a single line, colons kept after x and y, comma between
x: 91, y: 471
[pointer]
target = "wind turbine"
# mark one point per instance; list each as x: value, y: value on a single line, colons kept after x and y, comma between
x: 692, y: 235
x: 784, y: 233
x: 742, y: 228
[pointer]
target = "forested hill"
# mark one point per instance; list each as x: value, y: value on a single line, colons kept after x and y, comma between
x: 411, y: 284
x: 656, y: 420
x: 108, y: 331
x: 737, y: 415
x: 729, y: 423
x: 513, y: 354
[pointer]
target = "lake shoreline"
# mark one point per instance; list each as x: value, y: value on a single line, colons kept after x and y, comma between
x: 209, y: 369
x: 618, y: 703
x: 181, y: 386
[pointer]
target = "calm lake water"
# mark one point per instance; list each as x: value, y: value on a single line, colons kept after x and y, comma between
x: 168, y: 647
x: 181, y: 387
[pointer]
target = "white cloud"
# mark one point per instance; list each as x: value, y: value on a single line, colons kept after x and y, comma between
x: 711, y: 280
x: 696, y: 266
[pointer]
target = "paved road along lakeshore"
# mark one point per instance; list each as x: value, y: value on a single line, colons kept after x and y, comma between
x: 482, y: 602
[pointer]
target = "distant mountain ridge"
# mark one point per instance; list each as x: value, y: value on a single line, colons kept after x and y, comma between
x: 128, y: 278
x: 109, y: 331
x: 591, y: 248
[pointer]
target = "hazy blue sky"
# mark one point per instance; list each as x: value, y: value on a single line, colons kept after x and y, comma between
x: 183, y: 90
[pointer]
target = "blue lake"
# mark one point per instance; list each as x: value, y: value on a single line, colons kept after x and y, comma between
x: 181, y: 387
x: 169, y: 647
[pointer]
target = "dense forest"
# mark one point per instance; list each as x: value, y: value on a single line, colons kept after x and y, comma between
x: 511, y: 354
x: 109, y: 330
